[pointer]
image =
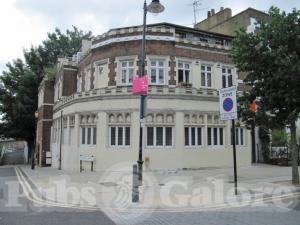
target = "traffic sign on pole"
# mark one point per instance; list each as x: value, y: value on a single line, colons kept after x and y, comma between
x: 228, y: 111
x: 228, y: 103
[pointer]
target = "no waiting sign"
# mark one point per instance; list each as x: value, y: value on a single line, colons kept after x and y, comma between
x: 228, y: 105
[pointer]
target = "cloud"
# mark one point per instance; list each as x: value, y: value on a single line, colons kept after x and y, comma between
x: 108, y: 13
x: 26, y: 22
x: 19, y: 32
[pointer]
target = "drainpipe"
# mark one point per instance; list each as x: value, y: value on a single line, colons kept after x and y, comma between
x: 60, y: 141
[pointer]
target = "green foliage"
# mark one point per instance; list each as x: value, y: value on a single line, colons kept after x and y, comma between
x: 271, y: 58
x: 50, y: 72
x: 279, y: 138
x: 19, y: 89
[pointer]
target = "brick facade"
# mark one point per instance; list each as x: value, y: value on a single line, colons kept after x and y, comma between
x: 153, y: 48
x: 45, y: 113
x: 111, y: 52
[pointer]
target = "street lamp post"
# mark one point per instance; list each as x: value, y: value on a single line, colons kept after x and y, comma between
x: 153, y: 7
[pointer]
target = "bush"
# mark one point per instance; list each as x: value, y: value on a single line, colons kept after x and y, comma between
x: 279, y: 138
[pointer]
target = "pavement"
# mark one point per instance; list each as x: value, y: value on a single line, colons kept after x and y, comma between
x: 49, y: 196
x: 188, y: 190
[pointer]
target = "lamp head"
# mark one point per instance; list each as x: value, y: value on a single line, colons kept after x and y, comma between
x: 155, y: 7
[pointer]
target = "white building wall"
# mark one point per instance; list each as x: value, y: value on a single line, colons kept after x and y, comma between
x: 101, y: 74
x: 179, y: 156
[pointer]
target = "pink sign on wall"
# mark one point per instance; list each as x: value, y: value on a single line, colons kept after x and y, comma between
x: 140, y: 85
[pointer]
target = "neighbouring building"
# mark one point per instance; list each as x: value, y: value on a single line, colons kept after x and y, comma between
x: 223, y: 22
x: 93, y: 112
x: 44, y: 122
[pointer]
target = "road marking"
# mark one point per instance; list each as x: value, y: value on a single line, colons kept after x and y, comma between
x: 30, y: 194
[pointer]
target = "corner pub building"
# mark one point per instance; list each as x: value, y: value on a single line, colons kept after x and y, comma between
x: 90, y: 110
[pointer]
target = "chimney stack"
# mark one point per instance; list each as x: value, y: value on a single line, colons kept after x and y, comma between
x: 212, y: 12
x: 208, y: 14
x: 222, y: 8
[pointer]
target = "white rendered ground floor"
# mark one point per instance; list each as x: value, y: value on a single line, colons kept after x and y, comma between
x: 179, y: 132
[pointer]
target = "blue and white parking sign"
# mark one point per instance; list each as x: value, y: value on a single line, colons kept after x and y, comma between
x: 228, y: 104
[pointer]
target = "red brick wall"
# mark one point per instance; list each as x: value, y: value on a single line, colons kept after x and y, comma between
x: 69, y: 81
x: 45, y: 113
x: 152, y: 48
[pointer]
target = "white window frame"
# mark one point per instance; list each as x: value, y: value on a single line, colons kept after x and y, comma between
x: 196, y: 136
x: 226, y: 75
x: 206, y: 72
x: 127, y: 69
x: 157, y: 67
x: 212, y: 136
x: 155, y: 138
x: 87, y: 81
x: 86, y: 135
x: 238, y: 131
x: 184, y: 69
x: 116, y: 136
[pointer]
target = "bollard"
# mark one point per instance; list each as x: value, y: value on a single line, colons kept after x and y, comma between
x: 135, y: 184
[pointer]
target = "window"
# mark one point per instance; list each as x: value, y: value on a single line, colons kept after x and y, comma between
x: 83, y: 135
x: 88, y: 135
x: 94, y: 135
x: 193, y: 136
x: 157, y: 68
x: 71, y: 136
x: 159, y: 136
x: 64, y: 136
x: 119, y: 136
x: 239, y: 136
x: 184, y: 72
x: 127, y: 70
x: 88, y: 80
x: 215, y: 136
x: 206, y: 76
x: 226, y: 77
x: 79, y: 83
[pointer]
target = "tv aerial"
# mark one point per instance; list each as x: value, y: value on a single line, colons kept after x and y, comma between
x: 196, y: 7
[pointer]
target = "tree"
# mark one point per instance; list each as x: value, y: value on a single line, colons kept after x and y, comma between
x: 271, y: 58
x: 259, y: 118
x: 19, y: 89
x: 279, y: 138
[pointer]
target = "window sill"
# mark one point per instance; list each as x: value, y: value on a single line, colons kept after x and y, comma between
x: 159, y: 147
x: 194, y: 147
x: 157, y: 84
x: 88, y: 146
x: 183, y: 84
x: 119, y: 147
x: 216, y: 147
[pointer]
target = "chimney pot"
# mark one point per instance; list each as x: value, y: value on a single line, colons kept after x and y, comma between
x: 212, y: 12
x: 208, y: 14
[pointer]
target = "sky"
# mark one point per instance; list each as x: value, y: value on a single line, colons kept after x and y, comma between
x: 24, y: 23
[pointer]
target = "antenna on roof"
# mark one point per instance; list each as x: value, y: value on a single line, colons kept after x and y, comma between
x: 196, y: 7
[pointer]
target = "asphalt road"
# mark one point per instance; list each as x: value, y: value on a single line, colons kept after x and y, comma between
x: 28, y: 213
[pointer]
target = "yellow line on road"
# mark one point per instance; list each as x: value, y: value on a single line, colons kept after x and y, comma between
x: 30, y: 194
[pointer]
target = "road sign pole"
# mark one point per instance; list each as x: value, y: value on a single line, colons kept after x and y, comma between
x: 234, y: 157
